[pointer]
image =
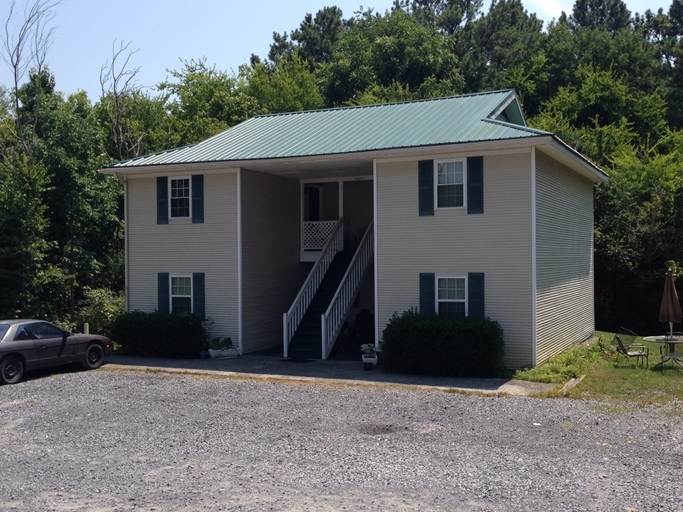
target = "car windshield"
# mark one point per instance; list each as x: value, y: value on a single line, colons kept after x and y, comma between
x: 3, y: 330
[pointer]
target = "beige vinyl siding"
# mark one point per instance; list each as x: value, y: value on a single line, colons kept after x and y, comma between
x: 564, y: 257
x: 182, y: 248
x: 453, y: 243
x: 271, y: 270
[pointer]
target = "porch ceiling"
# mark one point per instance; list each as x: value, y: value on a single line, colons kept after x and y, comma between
x: 309, y: 168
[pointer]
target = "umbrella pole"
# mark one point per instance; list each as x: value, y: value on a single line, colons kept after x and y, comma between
x: 671, y: 329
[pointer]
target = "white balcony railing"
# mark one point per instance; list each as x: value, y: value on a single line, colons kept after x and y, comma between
x: 333, y: 319
x: 292, y: 318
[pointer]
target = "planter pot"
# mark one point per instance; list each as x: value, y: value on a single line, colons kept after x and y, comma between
x: 369, y: 361
x: 229, y: 353
x: 204, y: 354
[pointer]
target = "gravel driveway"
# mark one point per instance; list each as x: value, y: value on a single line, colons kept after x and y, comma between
x: 117, y: 441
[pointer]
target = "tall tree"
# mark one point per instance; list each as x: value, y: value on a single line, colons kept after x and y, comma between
x: 504, y: 38
x: 318, y: 36
x: 382, y: 51
x: 205, y: 101
x: 611, y: 15
x: 285, y: 86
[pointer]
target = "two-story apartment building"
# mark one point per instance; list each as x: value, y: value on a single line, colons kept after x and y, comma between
x: 448, y: 205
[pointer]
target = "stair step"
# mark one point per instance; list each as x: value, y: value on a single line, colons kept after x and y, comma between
x: 306, y: 342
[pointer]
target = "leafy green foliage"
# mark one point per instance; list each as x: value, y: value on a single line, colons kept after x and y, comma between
x: 443, y: 345
x: 380, y: 51
x: 205, y: 101
x: 99, y: 308
x: 286, y: 86
x: 159, y: 334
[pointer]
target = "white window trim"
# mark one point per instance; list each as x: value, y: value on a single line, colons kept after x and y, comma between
x: 170, y: 197
x: 436, y: 293
x: 170, y: 291
x: 436, y: 183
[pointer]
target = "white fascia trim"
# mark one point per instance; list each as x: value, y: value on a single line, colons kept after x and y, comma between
x: 452, y: 154
x: 166, y: 170
x: 578, y: 162
x: 534, y: 287
x: 374, y: 241
x: 240, y: 322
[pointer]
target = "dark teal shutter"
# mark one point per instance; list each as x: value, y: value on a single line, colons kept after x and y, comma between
x: 425, y: 170
x: 198, y: 304
x: 163, y: 293
x: 475, y: 293
x: 197, y: 198
x: 475, y: 184
x: 162, y: 200
x: 427, y: 294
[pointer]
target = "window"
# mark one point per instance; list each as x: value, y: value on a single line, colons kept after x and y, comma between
x: 45, y: 330
x: 450, y: 184
x: 451, y: 296
x: 180, y: 197
x: 181, y: 294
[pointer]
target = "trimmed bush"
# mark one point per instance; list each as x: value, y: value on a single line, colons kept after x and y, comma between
x: 159, y: 334
x: 443, y: 345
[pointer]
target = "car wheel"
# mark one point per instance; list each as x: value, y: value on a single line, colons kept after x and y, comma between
x: 94, y: 357
x: 11, y: 370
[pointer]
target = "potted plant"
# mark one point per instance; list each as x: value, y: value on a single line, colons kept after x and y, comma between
x: 221, y: 348
x: 369, y: 356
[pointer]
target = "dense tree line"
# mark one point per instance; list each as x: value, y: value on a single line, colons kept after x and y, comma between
x: 609, y: 82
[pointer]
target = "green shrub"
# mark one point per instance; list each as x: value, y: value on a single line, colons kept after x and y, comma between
x: 159, y: 334
x: 99, y: 308
x: 443, y: 345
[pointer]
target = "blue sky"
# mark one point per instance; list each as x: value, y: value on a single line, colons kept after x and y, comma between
x: 226, y: 32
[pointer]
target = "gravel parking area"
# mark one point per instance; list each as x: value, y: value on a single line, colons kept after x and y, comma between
x: 117, y: 441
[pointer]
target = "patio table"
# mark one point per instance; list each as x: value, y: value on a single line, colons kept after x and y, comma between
x: 671, y: 343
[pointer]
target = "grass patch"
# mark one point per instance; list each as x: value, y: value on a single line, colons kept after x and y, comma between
x: 620, y: 380
x: 570, y: 364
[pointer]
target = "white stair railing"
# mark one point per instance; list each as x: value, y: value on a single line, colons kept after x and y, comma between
x: 292, y: 318
x: 333, y: 319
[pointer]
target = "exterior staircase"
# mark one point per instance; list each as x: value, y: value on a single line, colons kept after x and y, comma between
x: 306, y: 342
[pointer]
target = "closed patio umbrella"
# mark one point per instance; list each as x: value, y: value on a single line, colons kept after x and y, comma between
x: 670, y: 310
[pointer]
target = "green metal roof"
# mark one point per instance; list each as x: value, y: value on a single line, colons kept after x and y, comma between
x: 468, y: 118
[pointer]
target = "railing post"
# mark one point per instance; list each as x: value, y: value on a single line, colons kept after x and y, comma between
x: 285, y: 332
x: 323, y: 329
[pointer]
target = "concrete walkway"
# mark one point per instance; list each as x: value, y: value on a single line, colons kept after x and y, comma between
x: 325, y: 372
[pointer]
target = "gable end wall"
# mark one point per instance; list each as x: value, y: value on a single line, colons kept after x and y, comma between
x: 564, y: 258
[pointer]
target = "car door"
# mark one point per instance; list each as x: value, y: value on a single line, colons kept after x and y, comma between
x: 52, y: 343
x: 23, y: 343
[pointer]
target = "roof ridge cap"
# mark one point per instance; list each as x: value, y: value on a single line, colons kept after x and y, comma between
x: 377, y: 105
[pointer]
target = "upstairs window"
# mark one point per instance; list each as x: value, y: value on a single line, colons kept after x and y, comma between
x: 450, y: 184
x: 180, y: 197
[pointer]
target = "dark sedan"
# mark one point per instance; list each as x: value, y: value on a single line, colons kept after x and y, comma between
x: 30, y: 344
